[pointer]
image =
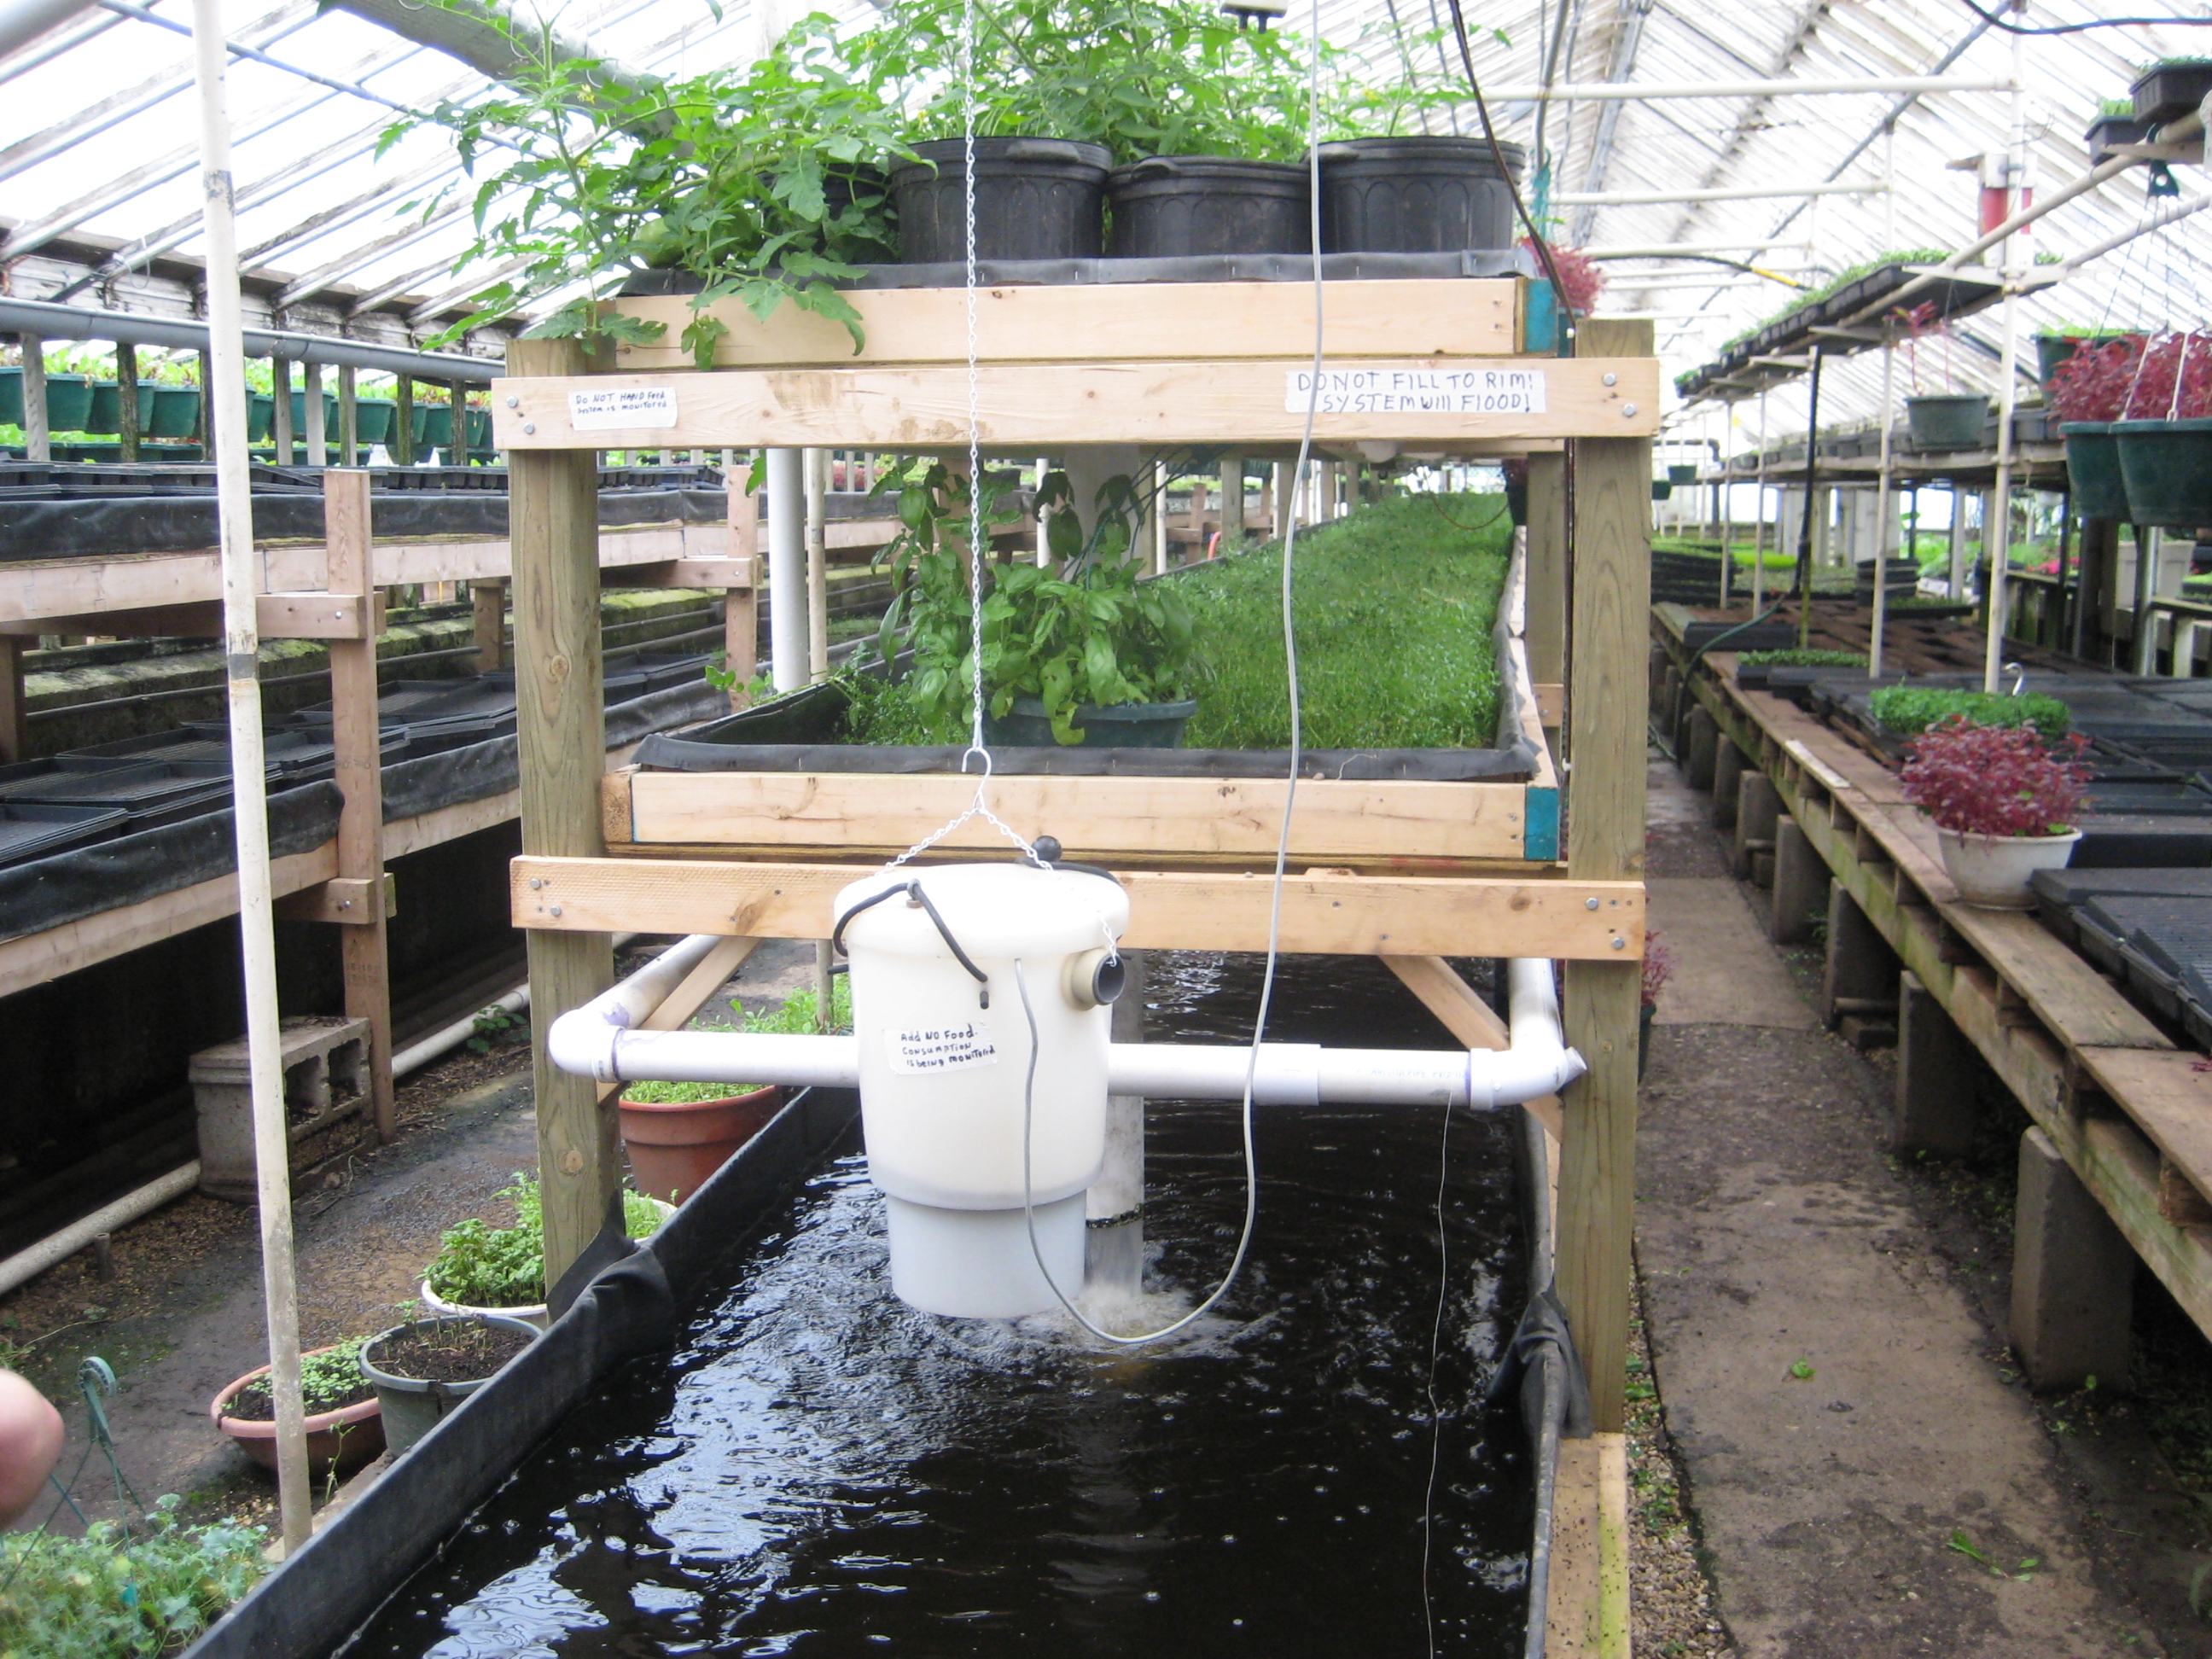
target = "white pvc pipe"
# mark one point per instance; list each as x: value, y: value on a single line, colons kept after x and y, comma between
x: 597, y: 1040
x: 34, y: 1259
x: 22, y: 21
x: 1727, y: 193
x: 1637, y: 91
x: 786, y: 569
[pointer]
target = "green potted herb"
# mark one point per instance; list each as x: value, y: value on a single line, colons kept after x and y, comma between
x: 486, y: 1271
x: 421, y: 1369
x: 344, y: 1427
x: 756, y: 185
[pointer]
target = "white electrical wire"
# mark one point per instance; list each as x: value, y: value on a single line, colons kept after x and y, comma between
x: 1290, y: 797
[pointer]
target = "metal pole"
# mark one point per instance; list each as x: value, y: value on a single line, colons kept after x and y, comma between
x: 249, y: 794
x: 1884, y: 513
x: 1758, y: 518
x: 816, y: 472
x: 2000, y: 548
x: 786, y: 569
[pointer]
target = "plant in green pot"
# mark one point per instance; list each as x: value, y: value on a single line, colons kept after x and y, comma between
x: 1946, y: 420
x: 483, y: 1270
x: 2164, y: 437
x: 345, y: 1425
x: 2005, y: 803
x: 1083, y: 654
x: 2088, y: 389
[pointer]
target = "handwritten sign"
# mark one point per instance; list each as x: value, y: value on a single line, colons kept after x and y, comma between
x: 621, y: 407
x: 954, y: 1046
x: 1381, y: 390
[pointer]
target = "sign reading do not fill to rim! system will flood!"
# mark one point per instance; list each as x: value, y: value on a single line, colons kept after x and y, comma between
x: 1380, y: 389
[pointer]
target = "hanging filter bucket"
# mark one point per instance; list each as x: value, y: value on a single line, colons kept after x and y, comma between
x: 943, y: 1028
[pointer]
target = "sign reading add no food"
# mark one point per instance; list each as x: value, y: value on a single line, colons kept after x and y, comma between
x: 1379, y: 389
x: 621, y: 407
x: 950, y: 1046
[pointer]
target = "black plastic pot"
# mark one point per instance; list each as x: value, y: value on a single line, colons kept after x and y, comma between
x: 1175, y: 205
x: 1952, y: 421
x: 1036, y: 198
x: 1426, y: 195
x: 2167, y: 467
x: 2167, y: 92
x: 2093, y: 471
x: 2109, y: 130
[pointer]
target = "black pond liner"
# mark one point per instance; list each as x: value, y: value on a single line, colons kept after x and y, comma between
x: 627, y: 1308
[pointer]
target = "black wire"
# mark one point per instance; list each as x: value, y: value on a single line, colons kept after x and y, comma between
x: 1995, y: 20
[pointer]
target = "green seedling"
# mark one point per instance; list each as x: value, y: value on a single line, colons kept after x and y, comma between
x: 1802, y: 1370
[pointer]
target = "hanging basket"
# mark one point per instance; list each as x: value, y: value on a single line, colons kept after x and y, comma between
x: 1950, y: 422
x: 2168, y: 468
x: 2093, y: 471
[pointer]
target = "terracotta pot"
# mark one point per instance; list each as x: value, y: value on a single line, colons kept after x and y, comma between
x: 675, y: 1146
x: 1993, y: 872
x: 339, y: 1441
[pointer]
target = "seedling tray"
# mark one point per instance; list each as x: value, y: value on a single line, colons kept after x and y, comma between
x: 2118, y: 841
x: 31, y: 829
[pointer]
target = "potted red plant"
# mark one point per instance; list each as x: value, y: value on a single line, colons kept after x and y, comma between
x: 2088, y: 391
x: 1944, y: 420
x: 2164, y: 435
x: 2004, y: 804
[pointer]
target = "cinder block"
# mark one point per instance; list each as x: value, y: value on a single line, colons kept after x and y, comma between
x: 326, y: 1062
x: 1758, y: 810
x: 1933, y: 1105
x: 2073, y: 1277
x: 1861, y: 970
x: 1727, y: 776
x: 1701, y: 745
x: 1800, y: 884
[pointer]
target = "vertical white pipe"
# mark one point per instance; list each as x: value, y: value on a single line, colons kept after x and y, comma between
x: 1955, y: 576
x: 1884, y: 511
x: 1759, y: 519
x: 241, y: 649
x: 2000, y: 548
x: 311, y: 411
x: 815, y: 472
x: 786, y: 569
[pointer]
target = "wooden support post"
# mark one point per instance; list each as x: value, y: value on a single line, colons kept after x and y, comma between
x: 203, y: 422
x: 126, y: 399
x: 1701, y: 746
x: 1546, y: 532
x: 459, y: 454
x: 2073, y: 1277
x: 280, y: 407
x: 1800, y: 884
x: 1728, y: 779
x: 1233, y: 500
x: 38, y: 434
x: 349, y: 415
x: 363, y: 945
x: 559, y: 679
x: 13, y: 729
x: 402, y: 446
x: 318, y: 434
x: 487, y: 603
x: 1612, y: 607
x: 1934, y: 1103
x: 1758, y: 810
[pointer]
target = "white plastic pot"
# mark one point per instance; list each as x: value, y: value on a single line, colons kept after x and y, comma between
x: 1994, y: 872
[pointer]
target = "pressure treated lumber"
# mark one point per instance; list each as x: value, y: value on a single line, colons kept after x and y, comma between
x: 868, y: 812
x: 1040, y: 406
x: 1611, y: 601
x: 364, y: 949
x: 1323, y: 912
x: 1455, y: 318
x: 558, y: 682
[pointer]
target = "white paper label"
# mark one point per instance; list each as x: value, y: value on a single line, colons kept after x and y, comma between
x: 622, y: 407
x: 1381, y: 390
x: 954, y: 1046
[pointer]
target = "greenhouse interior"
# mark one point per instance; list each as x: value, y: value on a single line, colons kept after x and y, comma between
x: 727, y: 912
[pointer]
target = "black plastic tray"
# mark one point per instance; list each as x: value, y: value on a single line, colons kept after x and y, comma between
x: 31, y: 829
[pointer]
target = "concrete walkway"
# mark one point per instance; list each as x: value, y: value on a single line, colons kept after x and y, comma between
x: 1867, y: 1479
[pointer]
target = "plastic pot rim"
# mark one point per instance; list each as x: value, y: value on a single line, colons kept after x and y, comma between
x: 246, y: 1428
x: 384, y: 1379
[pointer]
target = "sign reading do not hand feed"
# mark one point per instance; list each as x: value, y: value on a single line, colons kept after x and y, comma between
x: 1380, y: 389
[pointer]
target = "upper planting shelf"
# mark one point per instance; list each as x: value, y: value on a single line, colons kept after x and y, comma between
x: 1435, y: 362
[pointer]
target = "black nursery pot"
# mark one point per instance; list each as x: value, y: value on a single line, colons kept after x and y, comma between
x: 1177, y: 206
x: 1036, y: 198
x: 1418, y: 195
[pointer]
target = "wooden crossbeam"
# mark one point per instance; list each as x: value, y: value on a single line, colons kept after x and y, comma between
x: 1454, y: 318
x: 1024, y: 405
x: 1323, y: 912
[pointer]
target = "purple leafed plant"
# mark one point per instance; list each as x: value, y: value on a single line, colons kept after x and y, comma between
x: 1996, y: 781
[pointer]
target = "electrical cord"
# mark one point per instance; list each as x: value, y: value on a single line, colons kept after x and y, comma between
x: 1995, y: 19
x: 1436, y: 1347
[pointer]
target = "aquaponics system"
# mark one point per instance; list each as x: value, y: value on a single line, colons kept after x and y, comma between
x: 1028, y: 681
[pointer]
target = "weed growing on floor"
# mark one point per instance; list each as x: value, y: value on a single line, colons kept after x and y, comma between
x: 1395, y: 608
x: 119, y: 1594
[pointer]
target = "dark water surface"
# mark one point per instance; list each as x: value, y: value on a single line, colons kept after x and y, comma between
x: 820, y: 1471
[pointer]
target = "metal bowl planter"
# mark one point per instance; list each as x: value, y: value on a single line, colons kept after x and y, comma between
x: 2093, y: 471
x: 1172, y: 206
x: 1950, y: 420
x: 2167, y: 469
x: 1416, y: 195
x: 1122, y: 725
x: 338, y: 1442
x: 412, y: 1407
x: 1036, y: 198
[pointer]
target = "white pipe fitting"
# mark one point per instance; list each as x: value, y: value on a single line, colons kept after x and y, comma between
x: 597, y: 1040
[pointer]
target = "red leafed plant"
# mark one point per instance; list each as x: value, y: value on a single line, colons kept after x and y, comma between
x: 2132, y: 379
x: 1658, y: 968
x: 2092, y: 384
x: 1996, y: 779
x: 1578, y: 274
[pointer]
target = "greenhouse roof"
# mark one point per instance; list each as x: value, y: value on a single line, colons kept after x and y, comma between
x: 98, y: 148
